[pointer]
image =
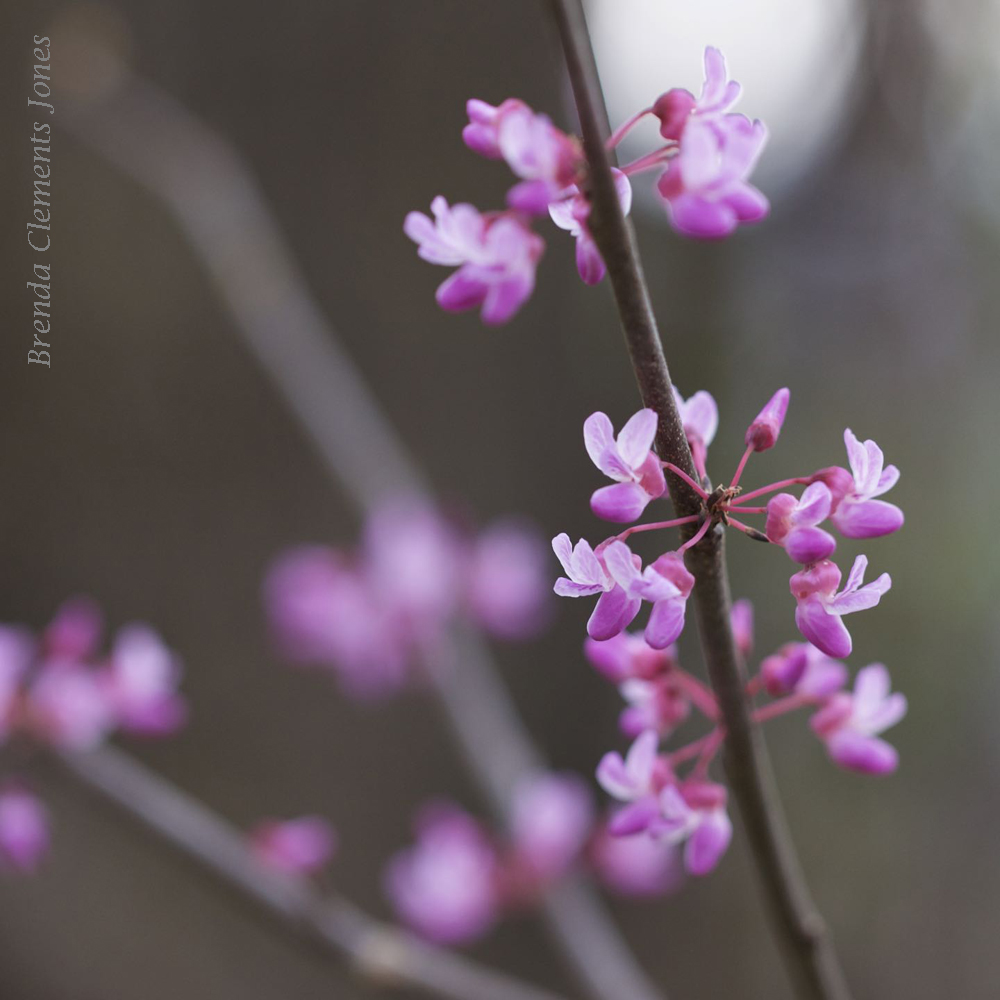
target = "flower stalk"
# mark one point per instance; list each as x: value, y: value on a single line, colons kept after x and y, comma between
x: 802, y: 933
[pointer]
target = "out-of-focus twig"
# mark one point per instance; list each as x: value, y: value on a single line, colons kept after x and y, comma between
x: 800, y: 929
x: 209, y: 189
x: 381, y: 954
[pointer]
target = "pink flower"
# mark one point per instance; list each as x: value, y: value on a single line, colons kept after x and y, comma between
x: 496, y: 256
x: 705, y: 186
x: 793, y: 524
x: 75, y: 632
x: 800, y: 668
x: 570, y: 213
x: 666, y: 583
x: 481, y: 134
x: 741, y: 618
x: 585, y: 576
x: 507, y: 581
x: 657, y: 704
x: 850, y: 723
x: 626, y: 656
x: 298, y: 846
x: 637, y: 865
x: 322, y: 611
x: 700, y: 417
x: 629, y: 460
x: 695, y: 816
x: 552, y: 817
x: 634, y: 779
x: 677, y: 108
x: 856, y: 514
x: 445, y: 886
x: 763, y: 432
x: 69, y: 706
x: 141, y: 682
x: 24, y: 830
x: 820, y: 607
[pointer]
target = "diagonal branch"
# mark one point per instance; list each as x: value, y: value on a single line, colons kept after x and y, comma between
x: 215, y: 199
x: 800, y: 929
x: 382, y: 954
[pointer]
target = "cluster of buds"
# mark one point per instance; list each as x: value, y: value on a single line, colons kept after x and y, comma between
x: 374, y: 616
x: 703, y: 166
x: 689, y: 809
x: 458, y: 879
x: 59, y: 690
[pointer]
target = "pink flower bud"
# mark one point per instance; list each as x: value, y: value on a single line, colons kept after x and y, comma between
x: 763, y: 432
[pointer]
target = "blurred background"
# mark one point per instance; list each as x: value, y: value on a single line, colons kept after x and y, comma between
x: 155, y: 468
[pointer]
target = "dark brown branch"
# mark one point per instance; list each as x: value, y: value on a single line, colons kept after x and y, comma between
x: 382, y: 954
x: 800, y: 929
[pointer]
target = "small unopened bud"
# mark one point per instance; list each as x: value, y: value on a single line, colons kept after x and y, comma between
x: 763, y: 432
x: 673, y: 109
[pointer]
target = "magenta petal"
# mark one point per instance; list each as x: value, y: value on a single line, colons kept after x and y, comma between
x: 620, y: 503
x: 708, y: 843
x: 635, y: 817
x: 588, y: 260
x: 824, y: 630
x: 868, y: 519
x: 461, y: 292
x: 703, y: 219
x: 809, y: 545
x: 532, y: 197
x: 748, y: 203
x: 614, y: 612
x: 865, y: 754
x: 666, y: 622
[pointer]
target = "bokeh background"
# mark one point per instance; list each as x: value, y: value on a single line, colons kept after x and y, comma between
x: 155, y: 468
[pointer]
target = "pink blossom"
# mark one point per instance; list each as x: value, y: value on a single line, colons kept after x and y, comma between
x: 298, y: 846
x: 658, y: 704
x: 849, y: 724
x: 571, y: 212
x: 481, y: 134
x: 141, y: 682
x: 700, y: 417
x: 635, y: 780
x: 24, y: 830
x: 445, y: 886
x: 820, y: 607
x: 545, y: 158
x: 629, y: 460
x: 793, y: 524
x: 585, y: 576
x: 496, y: 256
x: 800, y: 668
x: 705, y: 186
x: 508, y: 592
x: 551, y: 820
x: 763, y: 432
x: 69, y: 706
x: 637, y: 865
x: 677, y: 108
x: 75, y: 631
x: 322, y: 611
x: 856, y: 514
x: 741, y: 618
x: 666, y: 583
x: 626, y: 656
x: 695, y: 815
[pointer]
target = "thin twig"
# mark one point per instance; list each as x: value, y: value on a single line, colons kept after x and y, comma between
x: 214, y: 197
x: 382, y: 954
x: 805, y: 940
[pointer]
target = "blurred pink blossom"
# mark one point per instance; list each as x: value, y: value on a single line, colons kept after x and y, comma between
x: 24, y: 830
x: 297, y: 846
x: 551, y: 821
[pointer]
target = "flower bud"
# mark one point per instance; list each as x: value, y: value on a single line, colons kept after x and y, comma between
x: 763, y: 432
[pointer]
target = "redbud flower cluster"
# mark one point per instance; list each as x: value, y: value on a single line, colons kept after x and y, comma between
x: 374, y: 616
x: 458, y: 879
x: 60, y: 691
x: 703, y: 167
x: 687, y: 810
